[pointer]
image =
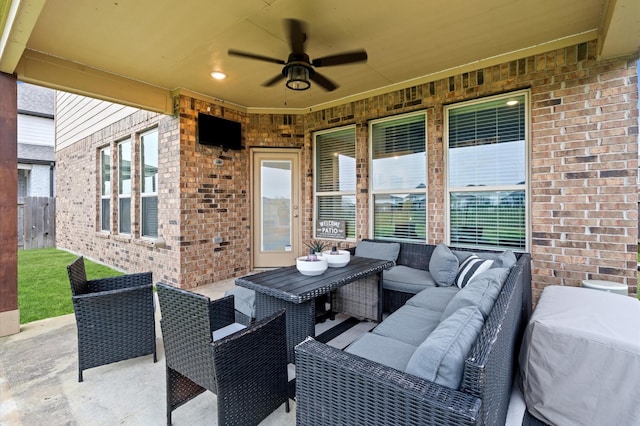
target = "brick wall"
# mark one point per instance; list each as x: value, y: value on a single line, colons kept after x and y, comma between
x: 583, y: 172
x: 78, y: 200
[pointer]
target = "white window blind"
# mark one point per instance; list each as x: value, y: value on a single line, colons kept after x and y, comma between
x: 487, y: 172
x: 486, y: 144
x: 335, y: 177
x: 399, y: 178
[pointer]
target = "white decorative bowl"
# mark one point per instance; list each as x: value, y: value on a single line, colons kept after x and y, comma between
x: 337, y: 260
x: 316, y: 267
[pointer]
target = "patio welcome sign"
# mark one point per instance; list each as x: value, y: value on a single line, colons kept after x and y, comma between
x: 331, y: 229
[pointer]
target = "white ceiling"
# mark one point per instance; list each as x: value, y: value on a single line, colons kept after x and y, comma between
x: 139, y: 52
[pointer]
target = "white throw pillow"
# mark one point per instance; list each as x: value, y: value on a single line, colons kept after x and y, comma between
x: 470, y: 268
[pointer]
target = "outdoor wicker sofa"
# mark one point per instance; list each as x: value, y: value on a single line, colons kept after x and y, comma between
x: 335, y: 387
x: 114, y: 317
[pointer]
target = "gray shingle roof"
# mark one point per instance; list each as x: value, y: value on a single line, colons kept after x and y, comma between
x: 28, y: 153
x: 35, y: 99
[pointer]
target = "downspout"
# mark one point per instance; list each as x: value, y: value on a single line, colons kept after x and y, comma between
x: 51, y: 167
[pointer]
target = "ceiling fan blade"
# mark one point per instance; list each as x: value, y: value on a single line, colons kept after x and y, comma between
x: 323, y: 81
x: 341, y: 59
x: 273, y: 81
x: 297, y: 35
x: 254, y: 56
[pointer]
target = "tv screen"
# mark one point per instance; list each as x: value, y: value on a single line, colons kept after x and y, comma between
x: 216, y: 131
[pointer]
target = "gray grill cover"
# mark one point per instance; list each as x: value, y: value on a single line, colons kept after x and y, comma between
x: 580, y: 358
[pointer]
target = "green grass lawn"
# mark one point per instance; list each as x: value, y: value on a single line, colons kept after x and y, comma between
x: 43, y: 284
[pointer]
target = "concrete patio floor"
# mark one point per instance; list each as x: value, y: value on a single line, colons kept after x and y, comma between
x: 39, y: 382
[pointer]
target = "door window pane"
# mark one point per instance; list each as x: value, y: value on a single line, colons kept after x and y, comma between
x: 275, y: 187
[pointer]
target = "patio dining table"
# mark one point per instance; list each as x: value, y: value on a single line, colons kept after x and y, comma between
x: 287, y: 288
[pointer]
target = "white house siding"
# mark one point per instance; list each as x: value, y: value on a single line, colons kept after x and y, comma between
x: 39, y: 182
x: 78, y: 117
x: 33, y: 130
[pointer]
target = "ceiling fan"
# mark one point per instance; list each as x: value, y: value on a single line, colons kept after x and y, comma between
x: 298, y: 68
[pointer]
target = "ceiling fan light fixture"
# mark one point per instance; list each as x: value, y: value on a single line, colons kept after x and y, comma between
x: 298, y: 77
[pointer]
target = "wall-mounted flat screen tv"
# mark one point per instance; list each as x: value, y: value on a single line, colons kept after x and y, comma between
x: 216, y: 131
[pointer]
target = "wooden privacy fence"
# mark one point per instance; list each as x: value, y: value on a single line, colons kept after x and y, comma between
x: 38, y: 222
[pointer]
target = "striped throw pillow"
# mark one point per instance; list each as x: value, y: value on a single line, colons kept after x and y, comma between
x: 470, y: 268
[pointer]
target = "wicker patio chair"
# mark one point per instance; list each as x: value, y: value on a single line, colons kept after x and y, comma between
x: 114, y: 317
x: 246, y: 369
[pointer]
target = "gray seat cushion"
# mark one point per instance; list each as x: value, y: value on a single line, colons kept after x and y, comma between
x: 244, y: 300
x: 434, y: 298
x: 409, y: 324
x: 377, y: 250
x: 407, y: 280
x: 225, y: 331
x: 440, y: 358
x: 382, y: 349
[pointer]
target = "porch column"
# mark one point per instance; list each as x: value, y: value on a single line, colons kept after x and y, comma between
x: 9, y: 313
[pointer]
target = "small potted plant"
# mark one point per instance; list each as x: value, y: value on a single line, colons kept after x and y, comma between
x: 317, y: 246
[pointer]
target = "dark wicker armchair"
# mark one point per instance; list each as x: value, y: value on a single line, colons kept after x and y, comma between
x: 114, y: 317
x: 247, y: 369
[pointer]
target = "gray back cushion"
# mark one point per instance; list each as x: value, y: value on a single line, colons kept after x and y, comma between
x: 440, y: 358
x: 506, y: 259
x: 443, y: 265
x: 482, y: 292
x: 376, y: 250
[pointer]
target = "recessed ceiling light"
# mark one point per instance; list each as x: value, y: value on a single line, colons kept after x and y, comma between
x: 218, y: 75
x: 512, y: 102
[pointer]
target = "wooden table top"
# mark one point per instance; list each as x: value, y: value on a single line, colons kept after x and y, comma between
x: 290, y: 285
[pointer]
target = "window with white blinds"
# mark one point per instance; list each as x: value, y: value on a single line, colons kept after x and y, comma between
x: 399, y: 177
x: 487, y: 145
x: 149, y: 183
x: 105, y: 189
x: 335, y: 177
x: 124, y: 187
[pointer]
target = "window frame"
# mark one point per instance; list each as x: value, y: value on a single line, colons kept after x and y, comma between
x: 526, y: 187
x: 318, y: 194
x: 121, y: 195
x: 144, y: 194
x: 373, y: 192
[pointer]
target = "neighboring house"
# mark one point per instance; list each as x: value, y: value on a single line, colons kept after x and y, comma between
x: 36, y: 139
x: 538, y: 154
